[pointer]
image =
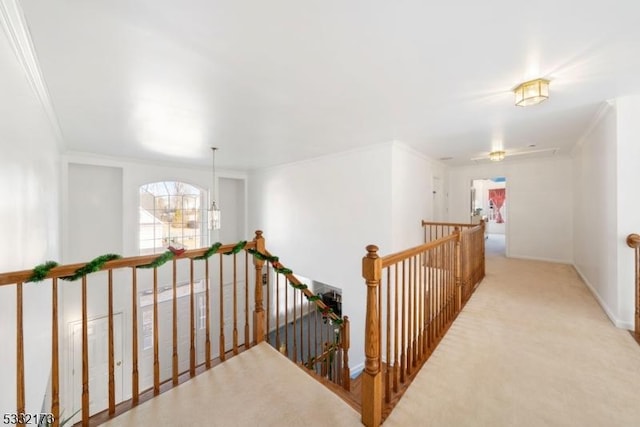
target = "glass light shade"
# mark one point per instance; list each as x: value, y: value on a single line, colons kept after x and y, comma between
x: 532, y: 92
x: 214, y: 217
x: 496, y: 156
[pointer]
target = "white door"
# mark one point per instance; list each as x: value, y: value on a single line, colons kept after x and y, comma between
x: 98, y: 344
x: 437, y: 200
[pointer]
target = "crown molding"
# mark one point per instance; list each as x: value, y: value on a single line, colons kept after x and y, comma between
x: 604, y: 108
x: 15, y: 26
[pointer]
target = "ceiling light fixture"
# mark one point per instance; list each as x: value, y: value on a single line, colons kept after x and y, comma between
x: 214, y: 210
x: 532, y: 92
x: 496, y: 156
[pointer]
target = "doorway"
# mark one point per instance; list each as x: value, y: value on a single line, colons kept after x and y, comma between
x: 97, y: 334
x: 489, y: 203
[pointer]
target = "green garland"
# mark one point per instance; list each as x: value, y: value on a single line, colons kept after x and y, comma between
x: 237, y: 248
x: 92, y: 266
x: 40, y: 271
x: 160, y: 260
x: 275, y: 263
x: 209, y: 252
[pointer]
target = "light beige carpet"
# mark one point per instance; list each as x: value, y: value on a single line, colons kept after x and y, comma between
x: 259, y: 387
x: 531, y: 348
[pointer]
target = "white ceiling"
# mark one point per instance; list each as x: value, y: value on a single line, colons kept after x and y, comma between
x: 271, y: 82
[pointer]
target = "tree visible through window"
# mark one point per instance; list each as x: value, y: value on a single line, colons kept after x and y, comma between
x: 171, y: 212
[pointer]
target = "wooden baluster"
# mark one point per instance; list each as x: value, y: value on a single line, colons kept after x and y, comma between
x: 286, y: 316
x: 458, y: 269
x: 277, y: 309
x: 156, y: 344
x: 315, y: 332
x: 85, y: 355
x: 372, y: 378
x: 235, y: 304
x: 112, y: 377
x: 207, y: 339
x: 222, y: 351
x: 346, y: 344
x: 308, y: 317
x: 637, y: 310
x: 247, y: 342
x: 403, y: 347
x: 387, y: 373
x: 259, y: 330
x: 425, y: 305
x: 295, y: 341
x: 420, y: 306
x: 55, y: 363
x: 174, y: 328
x: 415, y: 311
x: 396, y: 364
x: 410, y: 362
x: 301, y: 327
x: 135, y: 385
x: 266, y: 313
x: 192, y: 322
x: 20, y: 390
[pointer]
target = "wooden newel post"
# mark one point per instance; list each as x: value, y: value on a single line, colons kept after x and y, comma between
x: 458, y: 267
x: 258, y: 314
x: 372, y: 377
x: 633, y: 241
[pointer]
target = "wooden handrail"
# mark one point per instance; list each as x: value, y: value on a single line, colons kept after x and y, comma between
x: 451, y: 224
x: 633, y: 241
x: 411, y: 252
x: 293, y: 279
x: 134, y: 261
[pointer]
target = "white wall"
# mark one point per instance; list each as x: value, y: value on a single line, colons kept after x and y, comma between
x: 318, y: 216
x: 628, y: 215
x: 595, y: 210
x: 100, y: 215
x: 606, y: 211
x: 29, y: 224
x: 539, y: 202
x: 411, y: 194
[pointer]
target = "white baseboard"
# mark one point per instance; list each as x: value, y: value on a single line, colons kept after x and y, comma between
x: 357, y: 370
x: 617, y: 322
x: 532, y: 258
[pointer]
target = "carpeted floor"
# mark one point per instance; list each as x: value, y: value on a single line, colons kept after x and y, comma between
x: 531, y: 348
x: 259, y: 387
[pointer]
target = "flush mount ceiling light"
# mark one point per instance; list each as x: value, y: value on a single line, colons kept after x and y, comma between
x: 496, y: 156
x: 532, y: 92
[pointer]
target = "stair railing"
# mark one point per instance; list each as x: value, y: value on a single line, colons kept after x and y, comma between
x: 230, y: 299
x: 413, y: 296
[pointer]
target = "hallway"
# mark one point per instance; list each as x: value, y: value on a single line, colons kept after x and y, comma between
x: 531, y: 348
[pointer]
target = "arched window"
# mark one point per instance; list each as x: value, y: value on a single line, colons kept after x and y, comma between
x: 171, y: 212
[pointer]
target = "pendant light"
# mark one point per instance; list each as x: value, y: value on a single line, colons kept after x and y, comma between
x: 214, y: 210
